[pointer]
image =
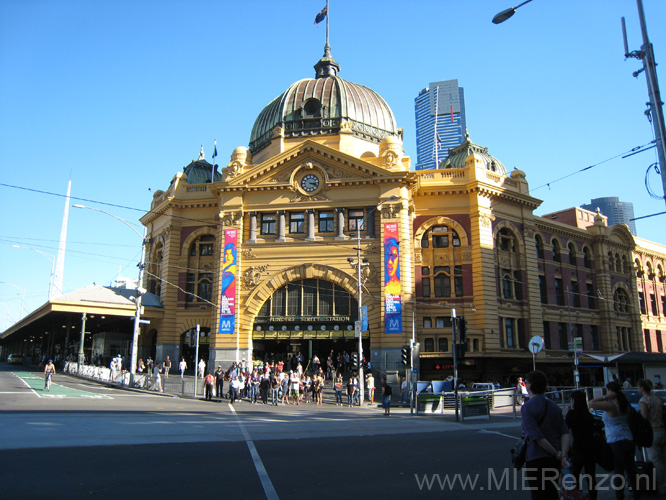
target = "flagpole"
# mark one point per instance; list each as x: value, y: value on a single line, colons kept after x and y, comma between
x: 328, y: 16
x: 212, y: 173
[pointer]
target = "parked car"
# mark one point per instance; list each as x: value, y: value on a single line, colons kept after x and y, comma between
x: 15, y: 359
x: 485, y: 386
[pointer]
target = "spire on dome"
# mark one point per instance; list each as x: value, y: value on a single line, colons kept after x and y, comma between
x: 326, y: 66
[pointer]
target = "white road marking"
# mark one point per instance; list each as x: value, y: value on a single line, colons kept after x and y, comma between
x: 271, y: 494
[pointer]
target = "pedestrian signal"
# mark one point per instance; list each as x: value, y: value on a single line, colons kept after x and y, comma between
x: 405, y: 354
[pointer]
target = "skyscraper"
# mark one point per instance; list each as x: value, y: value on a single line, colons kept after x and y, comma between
x: 440, y: 122
x: 618, y: 212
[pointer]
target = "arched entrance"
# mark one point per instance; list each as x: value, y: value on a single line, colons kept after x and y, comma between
x: 188, y: 343
x: 309, y: 316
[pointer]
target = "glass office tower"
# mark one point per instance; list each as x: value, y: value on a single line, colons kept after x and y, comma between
x: 440, y: 122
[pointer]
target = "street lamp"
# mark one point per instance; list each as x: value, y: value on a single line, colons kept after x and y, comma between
x: 22, y: 290
x: 359, y: 265
x: 50, y: 257
x: 139, y: 290
x: 507, y: 13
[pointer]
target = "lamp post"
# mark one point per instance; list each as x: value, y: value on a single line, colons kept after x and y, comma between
x: 22, y: 290
x: 359, y: 265
x: 139, y: 289
x: 50, y: 257
x: 507, y: 13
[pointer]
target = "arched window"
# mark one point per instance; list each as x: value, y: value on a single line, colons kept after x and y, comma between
x: 650, y: 272
x: 539, y: 246
x: 556, y: 250
x: 506, y: 240
x: 439, y: 244
x: 199, y: 276
x: 611, y: 262
x: 572, y: 254
x: 587, y: 258
x: 660, y: 273
x: 618, y: 263
x: 639, y: 268
x: 621, y: 300
x: 155, y: 267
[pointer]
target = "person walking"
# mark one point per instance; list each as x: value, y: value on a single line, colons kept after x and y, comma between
x: 581, y: 424
x: 351, y: 388
x: 652, y: 409
x: 387, y: 392
x: 219, y: 382
x: 338, y: 389
x: 182, y: 366
x: 370, y: 380
x: 157, y: 382
x: 167, y: 367
x: 616, y: 410
x: 202, y: 367
x: 548, y: 446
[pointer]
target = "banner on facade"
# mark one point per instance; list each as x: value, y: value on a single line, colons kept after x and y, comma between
x: 228, y: 280
x: 392, y: 288
x: 364, y: 318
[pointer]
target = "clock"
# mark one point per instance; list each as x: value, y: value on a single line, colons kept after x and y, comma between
x: 310, y: 183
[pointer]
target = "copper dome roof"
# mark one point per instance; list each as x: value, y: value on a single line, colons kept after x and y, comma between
x: 320, y: 106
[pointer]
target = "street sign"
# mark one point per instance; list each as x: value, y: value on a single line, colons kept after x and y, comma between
x: 577, y: 345
x: 144, y: 321
x: 357, y: 329
x: 536, y: 344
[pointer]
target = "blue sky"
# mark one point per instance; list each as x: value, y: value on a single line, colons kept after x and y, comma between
x: 121, y: 95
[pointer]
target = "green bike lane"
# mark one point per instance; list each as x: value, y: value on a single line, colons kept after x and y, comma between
x: 35, y: 382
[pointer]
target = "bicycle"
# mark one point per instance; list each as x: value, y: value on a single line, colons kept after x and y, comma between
x: 47, y: 382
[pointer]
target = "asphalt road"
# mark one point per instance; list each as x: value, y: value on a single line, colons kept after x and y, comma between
x: 83, y: 440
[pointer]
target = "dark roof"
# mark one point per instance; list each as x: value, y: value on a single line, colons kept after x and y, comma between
x: 198, y: 172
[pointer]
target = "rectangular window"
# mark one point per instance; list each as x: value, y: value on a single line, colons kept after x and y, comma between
x: 443, y: 344
x: 342, y: 299
x: 429, y: 345
x: 564, y: 338
x: 442, y: 281
x: 507, y: 285
x: 309, y: 294
x: 443, y: 321
x: 641, y: 302
x: 660, y: 342
x: 653, y: 304
x: 427, y: 322
x: 575, y: 293
x: 356, y: 220
x: 591, y: 302
x: 543, y: 291
x: 326, y: 222
x: 205, y: 249
x: 268, y: 223
x: 559, y: 292
x: 648, y: 340
x: 278, y: 302
x: 517, y: 286
x: 594, y: 337
x: 297, y: 222
x: 205, y: 287
x: 325, y: 298
x: 509, y: 332
x: 190, y: 287
x: 458, y: 280
x: 663, y: 304
x: 425, y: 281
x: 294, y: 299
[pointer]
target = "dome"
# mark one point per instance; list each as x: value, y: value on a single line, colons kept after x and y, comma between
x: 323, y: 106
x: 458, y: 157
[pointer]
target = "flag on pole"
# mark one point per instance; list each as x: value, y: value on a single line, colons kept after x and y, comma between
x: 215, y: 150
x: 322, y: 15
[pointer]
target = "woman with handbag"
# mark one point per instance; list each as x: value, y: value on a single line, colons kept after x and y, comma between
x: 581, y: 423
x: 548, y: 439
x: 618, y: 434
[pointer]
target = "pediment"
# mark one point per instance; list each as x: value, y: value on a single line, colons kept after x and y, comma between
x: 332, y: 166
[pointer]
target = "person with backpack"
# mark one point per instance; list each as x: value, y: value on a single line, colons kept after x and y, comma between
x: 616, y: 410
x: 580, y: 422
x: 653, y: 410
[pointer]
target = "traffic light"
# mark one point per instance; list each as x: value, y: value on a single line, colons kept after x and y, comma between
x: 406, y: 354
x: 355, y: 360
x: 462, y: 328
x: 461, y: 349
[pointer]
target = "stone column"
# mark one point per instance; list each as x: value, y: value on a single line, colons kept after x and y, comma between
x: 311, y: 224
x: 281, y: 226
x: 253, y: 228
x: 341, y: 224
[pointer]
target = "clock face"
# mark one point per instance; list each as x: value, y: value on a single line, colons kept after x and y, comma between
x: 310, y: 183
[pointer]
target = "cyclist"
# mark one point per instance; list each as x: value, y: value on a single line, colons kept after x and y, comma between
x: 49, y: 370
